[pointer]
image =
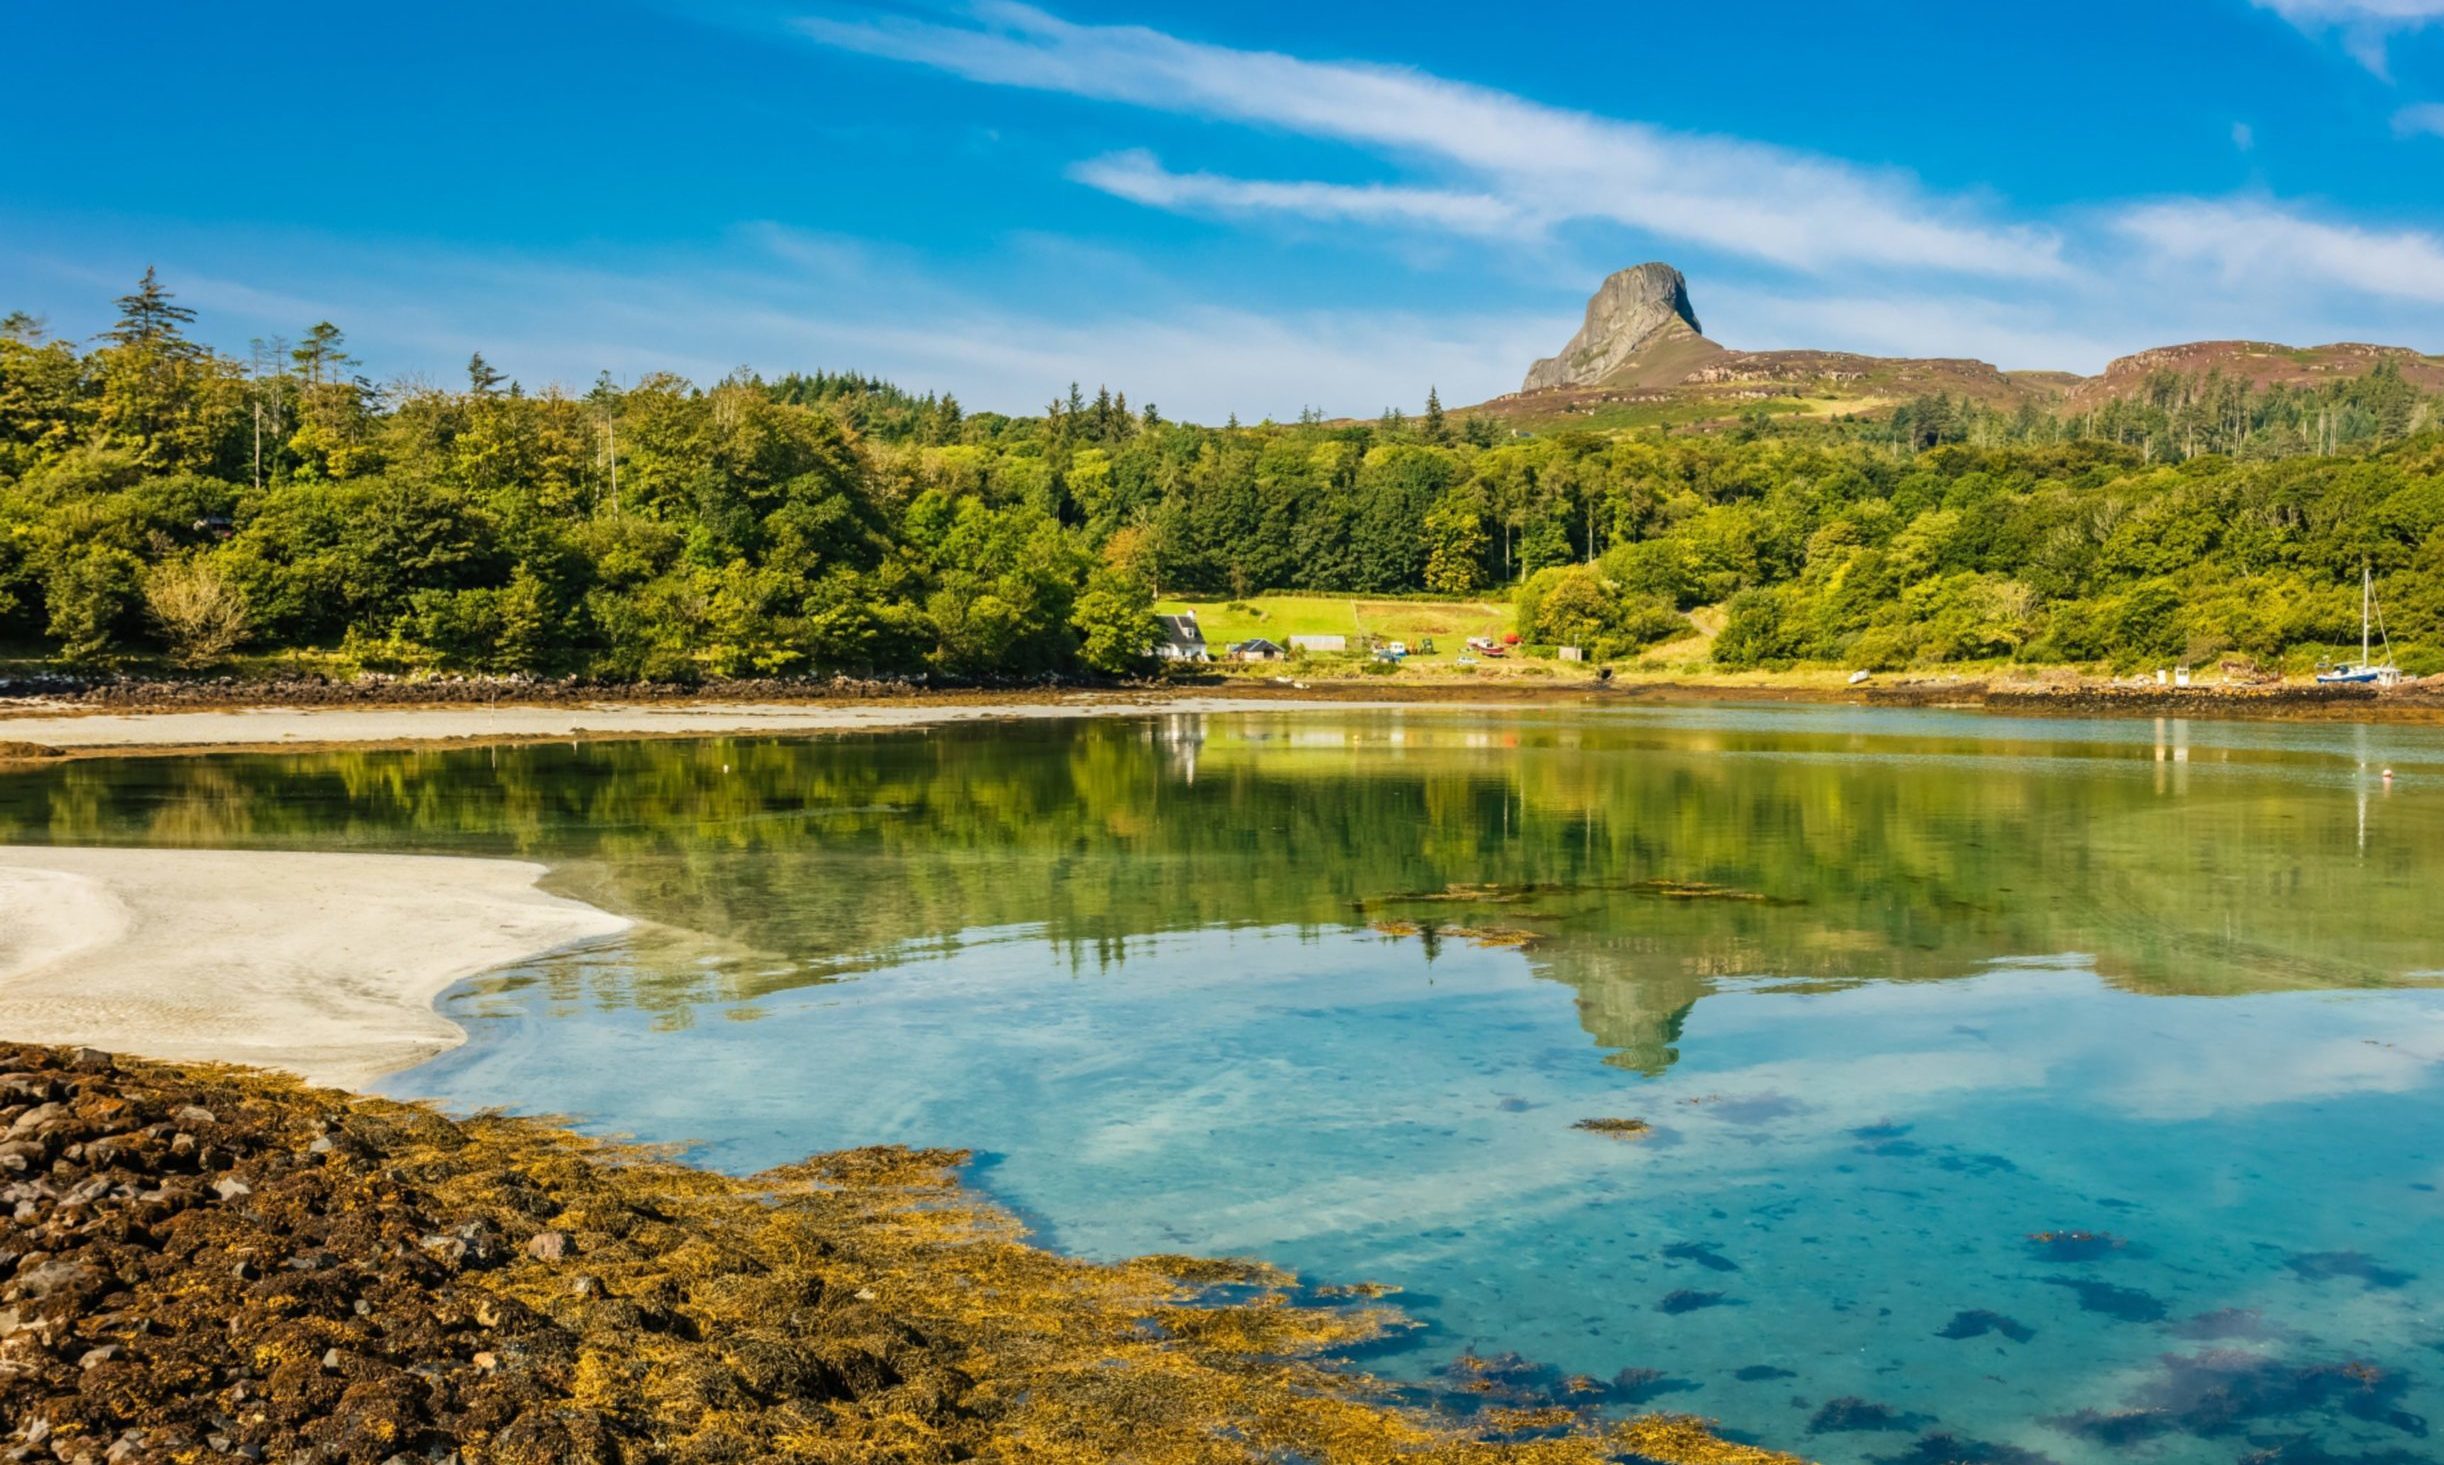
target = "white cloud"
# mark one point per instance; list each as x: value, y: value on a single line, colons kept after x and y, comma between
x: 2366, y: 25
x: 785, y: 300
x: 1141, y: 178
x: 2035, y: 333
x: 2424, y: 118
x: 2272, y: 247
x: 2244, y: 137
x: 1547, y: 164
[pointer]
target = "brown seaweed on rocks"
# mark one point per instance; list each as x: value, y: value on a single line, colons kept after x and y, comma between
x: 1616, y: 1128
x: 1434, y: 932
x: 2074, y: 1246
x: 199, y: 1263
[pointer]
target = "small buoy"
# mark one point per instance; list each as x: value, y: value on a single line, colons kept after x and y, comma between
x: 2388, y: 775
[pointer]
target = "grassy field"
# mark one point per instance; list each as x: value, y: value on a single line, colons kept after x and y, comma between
x: 1279, y: 617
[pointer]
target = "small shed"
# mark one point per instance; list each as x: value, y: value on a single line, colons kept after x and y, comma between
x: 1257, y: 649
x: 1334, y: 644
x: 1573, y: 653
x: 1179, y: 639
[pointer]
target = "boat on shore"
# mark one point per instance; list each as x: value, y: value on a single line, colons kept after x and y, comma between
x: 2366, y: 670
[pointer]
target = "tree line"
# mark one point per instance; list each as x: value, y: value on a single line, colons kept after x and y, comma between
x: 160, y: 499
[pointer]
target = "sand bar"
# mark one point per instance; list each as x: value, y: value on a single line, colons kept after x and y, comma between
x: 271, y: 727
x: 325, y: 965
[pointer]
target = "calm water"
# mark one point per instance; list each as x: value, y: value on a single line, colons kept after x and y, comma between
x: 1901, y: 993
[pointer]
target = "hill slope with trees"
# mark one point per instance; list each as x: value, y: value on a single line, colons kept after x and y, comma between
x: 159, y: 499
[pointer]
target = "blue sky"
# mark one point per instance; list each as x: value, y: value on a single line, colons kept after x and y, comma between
x: 1251, y: 209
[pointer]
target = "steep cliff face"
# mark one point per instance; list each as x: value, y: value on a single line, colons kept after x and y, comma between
x: 1640, y: 331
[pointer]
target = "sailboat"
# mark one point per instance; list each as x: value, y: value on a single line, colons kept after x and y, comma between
x: 2365, y: 670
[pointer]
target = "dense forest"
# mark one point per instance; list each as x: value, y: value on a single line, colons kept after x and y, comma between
x: 162, y: 500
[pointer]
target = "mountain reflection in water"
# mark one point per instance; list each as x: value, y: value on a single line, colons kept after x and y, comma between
x: 2003, y: 1090
x: 1823, y: 844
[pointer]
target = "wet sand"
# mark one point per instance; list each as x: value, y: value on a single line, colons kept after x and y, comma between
x: 325, y: 965
x: 67, y: 729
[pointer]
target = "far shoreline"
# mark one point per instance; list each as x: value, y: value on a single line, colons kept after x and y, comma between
x: 161, y: 719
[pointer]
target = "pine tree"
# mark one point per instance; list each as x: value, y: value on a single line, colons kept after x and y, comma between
x: 148, y: 374
x: 321, y: 356
x: 482, y: 380
x: 151, y: 318
x: 1438, y: 431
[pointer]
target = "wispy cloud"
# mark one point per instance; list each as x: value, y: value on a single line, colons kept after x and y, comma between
x: 782, y: 299
x: 2273, y: 245
x: 2426, y: 118
x: 1546, y: 165
x: 1140, y: 177
x: 2366, y: 26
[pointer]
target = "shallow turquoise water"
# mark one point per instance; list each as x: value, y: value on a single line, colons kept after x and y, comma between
x: 1900, y: 993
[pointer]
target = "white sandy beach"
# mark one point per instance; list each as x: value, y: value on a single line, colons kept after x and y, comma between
x: 325, y: 965
x: 305, y: 726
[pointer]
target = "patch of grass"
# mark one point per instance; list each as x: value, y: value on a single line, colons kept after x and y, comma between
x: 1279, y: 617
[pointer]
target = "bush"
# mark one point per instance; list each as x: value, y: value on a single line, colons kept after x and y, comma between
x: 198, y: 609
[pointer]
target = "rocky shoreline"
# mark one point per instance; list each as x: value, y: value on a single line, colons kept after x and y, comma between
x: 203, y: 1263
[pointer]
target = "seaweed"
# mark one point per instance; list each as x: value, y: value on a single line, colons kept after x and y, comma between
x: 1979, y: 1322
x: 1853, y: 1415
x: 2228, y: 1323
x: 2219, y: 1392
x: 2074, y: 1246
x: 1616, y: 1128
x: 2122, y: 1304
x: 1434, y: 932
x: 1951, y: 1449
x: 2351, y: 1266
x: 1689, y: 1300
x: 1638, y: 1385
x: 202, y: 1262
x: 1702, y: 1254
x: 2119, y: 1429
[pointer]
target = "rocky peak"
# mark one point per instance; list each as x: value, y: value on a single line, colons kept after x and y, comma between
x: 1639, y: 325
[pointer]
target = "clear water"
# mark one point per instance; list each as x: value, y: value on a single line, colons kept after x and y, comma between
x: 1900, y: 993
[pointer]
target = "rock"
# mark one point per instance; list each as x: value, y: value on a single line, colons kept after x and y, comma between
x: 52, y: 1277
x: 193, y: 1116
x: 35, y: 1118
x: 548, y: 1246
x: 1640, y: 330
x: 229, y: 1188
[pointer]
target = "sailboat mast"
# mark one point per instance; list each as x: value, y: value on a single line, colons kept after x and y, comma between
x: 2367, y: 589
